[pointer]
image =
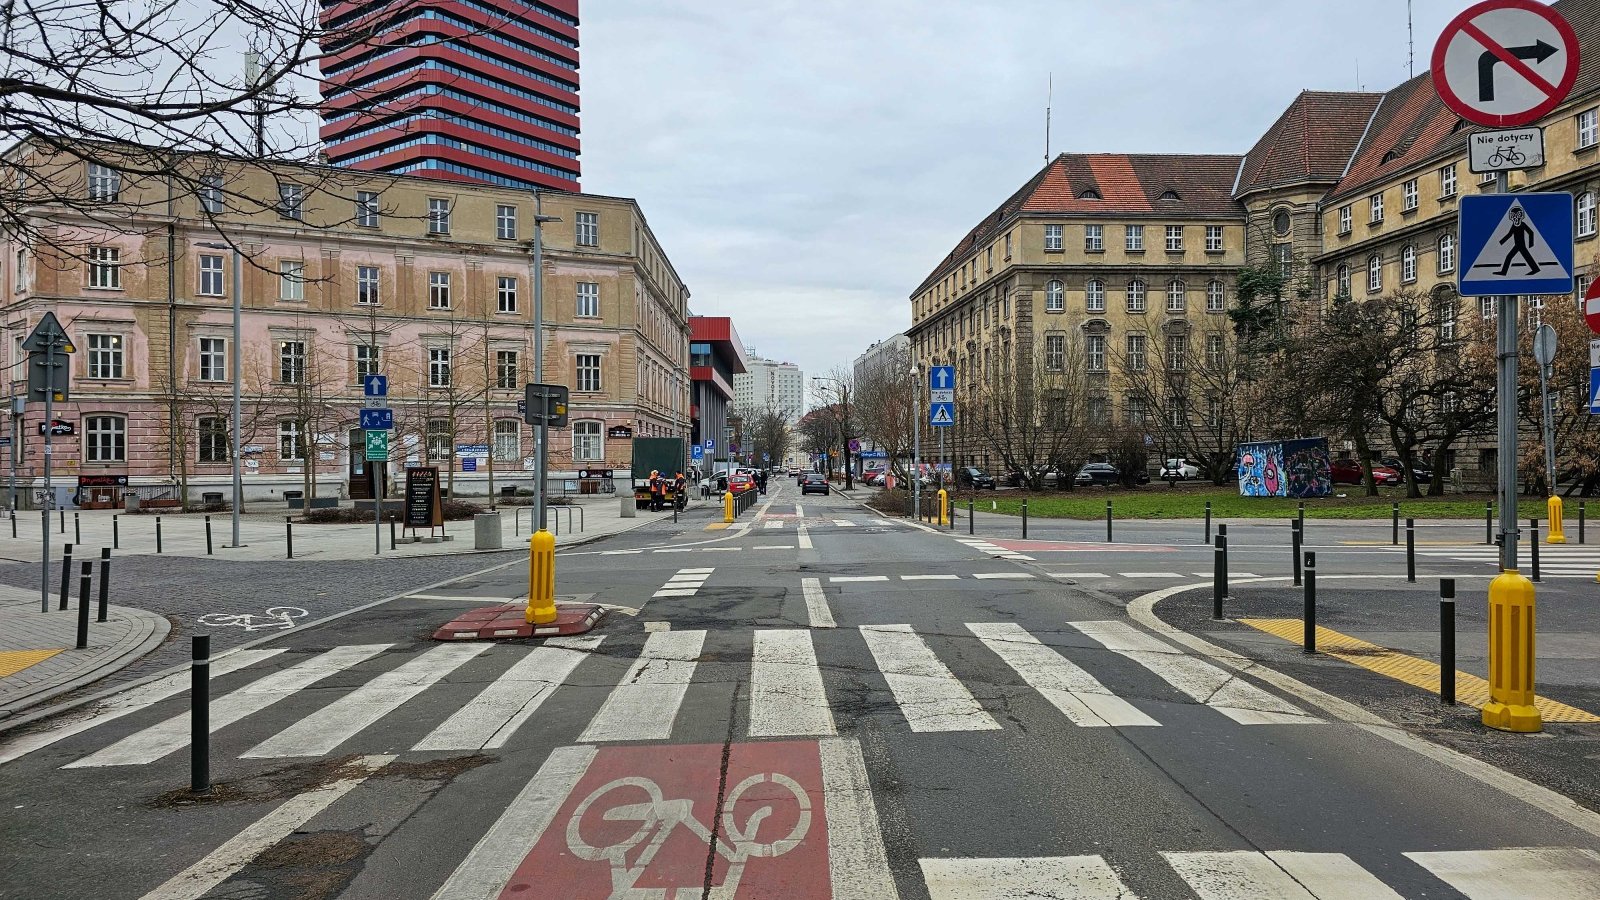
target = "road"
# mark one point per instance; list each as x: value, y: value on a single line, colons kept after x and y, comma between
x: 817, y: 702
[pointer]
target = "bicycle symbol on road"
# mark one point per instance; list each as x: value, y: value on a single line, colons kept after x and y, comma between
x: 276, y: 617
x: 658, y: 817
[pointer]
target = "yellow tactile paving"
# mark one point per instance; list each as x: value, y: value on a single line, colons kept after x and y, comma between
x: 14, y: 661
x: 716, y: 526
x: 1470, y: 689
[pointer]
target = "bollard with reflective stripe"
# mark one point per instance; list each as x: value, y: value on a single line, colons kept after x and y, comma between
x: 969, y: 517
x: 1297, y: 540
x: 1447, y: 641
x: 1411, y: 550
x: 541, y: 578
x: 1219, y: 575
x: 1533, y: 546
x: 200, y: 714
x: 1208, y: 521
x: 1310, y: 634
x: 1558, y: 534
x: 727, y: 507
x: 1511, y: 643
x: 944, y: 507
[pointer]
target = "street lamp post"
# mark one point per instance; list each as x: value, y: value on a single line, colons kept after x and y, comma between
x: 542, y: 432
x: 916, y: 442
x: 236, y: 361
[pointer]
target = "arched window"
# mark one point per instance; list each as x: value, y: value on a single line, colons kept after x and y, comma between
x: 1408, y: 264
x: 1136, y: 296
x: 1447, y: 253
x: 1054, y: 297
x: 1374, y: 273
x: 1341, y: 284
x: 1090, y: 194
x: 1177, y: 296
x: 1094, y: 295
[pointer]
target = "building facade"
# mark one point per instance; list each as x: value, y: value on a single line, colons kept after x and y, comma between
x: 456, y: 90
x: 891, y: 351
x: 767, y: 382
x: 716, y: 360
x: 342, y: 274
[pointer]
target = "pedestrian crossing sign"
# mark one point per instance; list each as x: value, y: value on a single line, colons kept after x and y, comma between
x: 1516, y: 244
x: 942, y: 415
x: 1594, y: 392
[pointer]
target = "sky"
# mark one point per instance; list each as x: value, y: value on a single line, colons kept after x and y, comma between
x: 806, y: 164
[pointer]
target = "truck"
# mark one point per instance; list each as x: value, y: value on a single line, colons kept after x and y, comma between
x: 664, y: 455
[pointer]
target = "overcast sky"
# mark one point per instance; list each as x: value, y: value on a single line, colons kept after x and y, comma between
x: 806, y: 164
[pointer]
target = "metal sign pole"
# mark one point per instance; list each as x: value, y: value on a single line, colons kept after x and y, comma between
x: 916, y: 443
x: 44, y: 508
x: 541, y: 431
x: 1506, y: 415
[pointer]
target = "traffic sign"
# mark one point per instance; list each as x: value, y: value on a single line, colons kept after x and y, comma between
x: 1505, y: 63
x: 942, y: 415
x: 381, y: 419
x: 469, y: 464
x: 1516, y: 244
x: 948, y: 395
x: 377, y: 445
x: 941, y: 378
x: 1594, y: 391
x: 1591, y: 307
x: 697, y: 453
x: 375, y: 386
x: 47, y: 332
x: 1544, y: 345
x: 709, y: 445
x: 1594, y: 354
x: 1508, y: 150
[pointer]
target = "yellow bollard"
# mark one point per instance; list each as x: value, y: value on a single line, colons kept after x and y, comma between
x: 1556, y: 535
x: 1510, y: 706
x: 727, y: 507
x: 944, y: 507
x: 541, y: 578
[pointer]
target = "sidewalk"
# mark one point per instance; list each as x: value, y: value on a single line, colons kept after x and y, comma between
x: 37, y: 655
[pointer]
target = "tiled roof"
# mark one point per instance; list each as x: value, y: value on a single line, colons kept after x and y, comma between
x: 1311, y: 141
x: 1112, y: 184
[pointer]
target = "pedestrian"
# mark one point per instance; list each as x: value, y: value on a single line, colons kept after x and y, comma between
x: 761, y: 480
x: 656, y: 490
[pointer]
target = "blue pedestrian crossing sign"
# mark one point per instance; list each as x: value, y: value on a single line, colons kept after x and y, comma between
x: 942, y: 415
x: 1516, y: 244
x: 1594, y: 391
x: 375, y: 386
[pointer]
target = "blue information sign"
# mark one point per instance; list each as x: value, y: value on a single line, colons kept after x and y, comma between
x: 375, y: 386
x: 942, y: 378
x: 942, y: 415
x: 377, y: 419
x: 1516, y: 244
x: 1594, y: 391
x: 697, y: 453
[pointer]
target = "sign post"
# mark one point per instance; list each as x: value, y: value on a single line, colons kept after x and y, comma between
x: 1544, y: 353
x: 49, y: 377
x: 375, y: 425
x: 941, y: 406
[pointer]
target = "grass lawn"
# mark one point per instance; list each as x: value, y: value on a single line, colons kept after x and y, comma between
x: 1162, y: 502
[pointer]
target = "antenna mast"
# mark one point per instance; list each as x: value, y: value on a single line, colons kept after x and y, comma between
x: 1049, y: 95
x: 1411, y: 46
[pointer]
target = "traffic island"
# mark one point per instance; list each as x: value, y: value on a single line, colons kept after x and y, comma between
x: 510, y: 620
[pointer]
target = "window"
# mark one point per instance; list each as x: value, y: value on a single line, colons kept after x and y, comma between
x: 105, y: 356
x: 1216, y: 299
x: 505, y: 370
x: 1283, y: 257
x: 290, y: 445
x: 213, y: 359
x: 1281, y: 223
x: 1055, y: 352
x: 1094, y: 238
x: 1136, y: 296
x: 438, y: 367
x: 1488, y: 178
x: 1135, y: 353
x: 505, y: 222
x: 1586, y: 214
x: 588, y: 367
x: 439, y: 435
x: 586, y: 442
x: 1374, y: 273
x: 589, y: 299
x: 1177, y: 412
x: 105, y: 183
x: 213, y: 432
x: 1408, y: 196
x: 211, y: 194
x: 1344, y: 219
x: 1341, y: 281
x: 1215, y: 352
x: 367, y: 290
x: 291, y: 362
x: 1095, y: 346
x: 105, y: 439
x: 1213, y: 238
x: 1213, y: 411
x: 505, y: 293
x: 291, y: 201
x: 291, y: 279
x: 1133, y: 238
x: 1177, y: 352
x: 20, y: 275
x: 1408, y: 264
x: 1582, y: 284
x: 588, y: 226
x: 1447, y: 318
x: 367, y: 209
x: 507, y: 440
x: 1094, y: 295
x: 1174, y: 238
x: 210, y: 275
x: 988, y: 258
x: 1099, y: 413
x: 1487, y: 307
x: 1136, y: 411
x: 368, y: 361
x: 1052, y: 237
x: 1054, y: 297
x: 438, y: 215
x: 1177, y: 296
x: 438, y: 290
x: 1008, y: 246
x: 1447, y: 253
x: 105, y: 268
x: 1588, y: 128
x: 1447, y: 181
x: 1376, y: 205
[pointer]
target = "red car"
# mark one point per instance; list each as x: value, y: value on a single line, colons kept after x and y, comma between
x: 1348, y: 471
x: 738, y: 484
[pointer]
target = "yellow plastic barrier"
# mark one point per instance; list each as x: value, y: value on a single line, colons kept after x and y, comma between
x: 1510, y: 706
x: 944, y: 507
x: 541, y: 578
x: 1556, y: 536
x: 727, y: 507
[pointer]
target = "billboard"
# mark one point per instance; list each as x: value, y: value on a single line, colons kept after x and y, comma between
x: 1294, y: 468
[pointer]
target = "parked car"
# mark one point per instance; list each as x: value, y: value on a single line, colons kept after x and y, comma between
x: 739, y: 483
x: 975, y: 478
x: 1348, y: 471
x: 1420, y: 470
x: 716, y: 484
x: 813, y: 482
x: 1181, y: 469
x: 1106, y: 474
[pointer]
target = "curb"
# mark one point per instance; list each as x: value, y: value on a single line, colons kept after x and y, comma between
x: 158, y: 636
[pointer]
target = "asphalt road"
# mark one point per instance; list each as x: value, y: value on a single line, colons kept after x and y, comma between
x: 818, y: 702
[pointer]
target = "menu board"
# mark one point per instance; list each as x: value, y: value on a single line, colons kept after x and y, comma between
x: 423, y: 509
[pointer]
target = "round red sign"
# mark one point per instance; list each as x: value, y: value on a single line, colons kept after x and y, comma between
x: 1591, y: 306
x: 1505, y: 63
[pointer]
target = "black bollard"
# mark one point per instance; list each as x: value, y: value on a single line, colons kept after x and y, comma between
x: 969, y: 517
x: 391, y: 532
x: 1297, y: 538
x: 116, y: 534
x: 1300, y: 514
x: 63, y: 511
x: 66, y: 573
x: 77, y: 529
x: 158, y: 534
x: 1311, y: 602
x: 1447, y: 641
x: 1411, y: 550
x: 1208, y: 521
x: 86, y: 575
x: 1024, y: 518
x: 1219, y: 575
x: 105, y: 575
x: 1488, y: 523
x: 13, y: 523
x: 288, y: 535
x: 1394, y: 512
x: 208, y: 535
x: 200, y: 714
x: 1108, y: 521
x: 1533, y: 545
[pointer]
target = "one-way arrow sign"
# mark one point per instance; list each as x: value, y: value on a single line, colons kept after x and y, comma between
x: 941, y: 377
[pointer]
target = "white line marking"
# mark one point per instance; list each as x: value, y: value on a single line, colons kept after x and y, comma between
x: 841, y: 579
x: 816, y: 603
x: 130, y: 702
x: 650, y: 627
x: 1149, y: 574
x: 773, y: 547
x: 857, y: 862
x: 1077, y: 575
x: 674, y: 550
x: 690, y: 592
x: 172, y: 735
x: 1228, y: 694
x: 774, y: 523
x: 332, y: 725
x: 1053, y: 877
x: 644, y: 705
x: 804, y: 538
x: 1247, y: 875
x: 701, y: 571
x: 1079, y: 696
x: 786, y: 694
x: 488, y: 868
x: 930, y: 577
x: 999, y: 575
x: 930, y: 696
x: 491, y: 718
x: 461, y: 598
x: 844, y: 523
x: 799, y: 511
x: 221, y: 864
x: 1524, y: 873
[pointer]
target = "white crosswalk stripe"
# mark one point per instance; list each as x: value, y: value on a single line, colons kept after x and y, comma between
x: 644, y: 706
x: 1245, y: 875
x: 786, y: 694
x: 1055, y: 877
x: 1075, y: 692
x: 1524, y: 873
x: 930, y: 696
x: 490, y: 719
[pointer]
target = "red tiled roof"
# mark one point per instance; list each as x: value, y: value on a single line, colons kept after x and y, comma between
x: 1311, y: 141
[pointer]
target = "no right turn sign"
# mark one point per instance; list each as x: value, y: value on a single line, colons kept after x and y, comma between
x: 1504, y: 63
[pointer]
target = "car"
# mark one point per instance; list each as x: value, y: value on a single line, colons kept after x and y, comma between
x: 1420, y: 470
x: 1180, y: 469
x: 813, y: 482
x: 975, y: 477
x: 1106, y: 474
x: 1348, y: 471
x: 739, y: 483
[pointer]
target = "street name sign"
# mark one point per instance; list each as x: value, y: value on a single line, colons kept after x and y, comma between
x: 375, y: 386
x: 1516, y: 244
x: 1504, y: 63
x: 380, y: 419
x: 377, y: 445
x: 1510, y: 150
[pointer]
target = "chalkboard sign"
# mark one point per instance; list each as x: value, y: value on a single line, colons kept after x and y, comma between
x: 423, y: 509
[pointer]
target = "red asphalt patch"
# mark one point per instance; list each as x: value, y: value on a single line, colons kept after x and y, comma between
x: 1071, y: 546
x: 645, y: 818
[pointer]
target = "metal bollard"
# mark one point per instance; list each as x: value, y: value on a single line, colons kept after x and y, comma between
x: 77, y: 529
x: 1024, y: 518
x: 1580, y: 523
x: 1208, y: 521
x: 1447, y: 641
x: 158, y: 534
x: 969, y: 516
x: 66, y: 573
x: 116, y: 534
x: 84, y: 577
x: 1394, y: 512
x: 1300, y: 514
x: 200, y: 714
x: 1296, y: 538
x: 1108, y: 521
x: 288, y: 535
x: 105, y: 584
x: 13, y: 523
x: 1310, y: 637
x: 391, y: 532
x: 1411, y: 550
x: 1488, y: 523
x: 1533, y: 545
x: 1219, y: 575
x: 63, y: 511
x: 208, y: 535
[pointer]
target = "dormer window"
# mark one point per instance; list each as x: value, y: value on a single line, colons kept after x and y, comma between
x: 1170, y: 195
x: 1090, y: 194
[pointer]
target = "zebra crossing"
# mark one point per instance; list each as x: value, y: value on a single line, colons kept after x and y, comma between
x: 1555, y: 560
x: 983, y: 546
x: 928, y: 677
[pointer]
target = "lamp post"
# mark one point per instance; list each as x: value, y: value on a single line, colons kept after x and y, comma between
x: 916, y: 441
x: 235, y: 355
x: 542, y: 432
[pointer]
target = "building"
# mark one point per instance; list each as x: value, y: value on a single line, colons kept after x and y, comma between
x: 716, y: 361
x: 766, y: 382
x: 437, y: 295
x: 456, y: 90
x: 891, y: 351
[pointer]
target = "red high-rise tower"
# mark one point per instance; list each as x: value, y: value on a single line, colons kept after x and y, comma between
x: 468, y: 90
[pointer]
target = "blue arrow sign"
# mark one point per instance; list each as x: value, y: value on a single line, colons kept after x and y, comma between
x: 942, y: 415
x: 941, y: 377
x: 375, y: 386
x: 1516, y: 244
x: 377, y: 419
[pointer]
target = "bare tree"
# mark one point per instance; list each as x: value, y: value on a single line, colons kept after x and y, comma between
x: 1577, y: 433
x: 767, y: 429
x: 836, y: 392
x: 1035, y: 414
x: 884, y: 406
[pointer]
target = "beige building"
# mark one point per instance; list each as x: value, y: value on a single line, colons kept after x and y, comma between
x: 343, y: 274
